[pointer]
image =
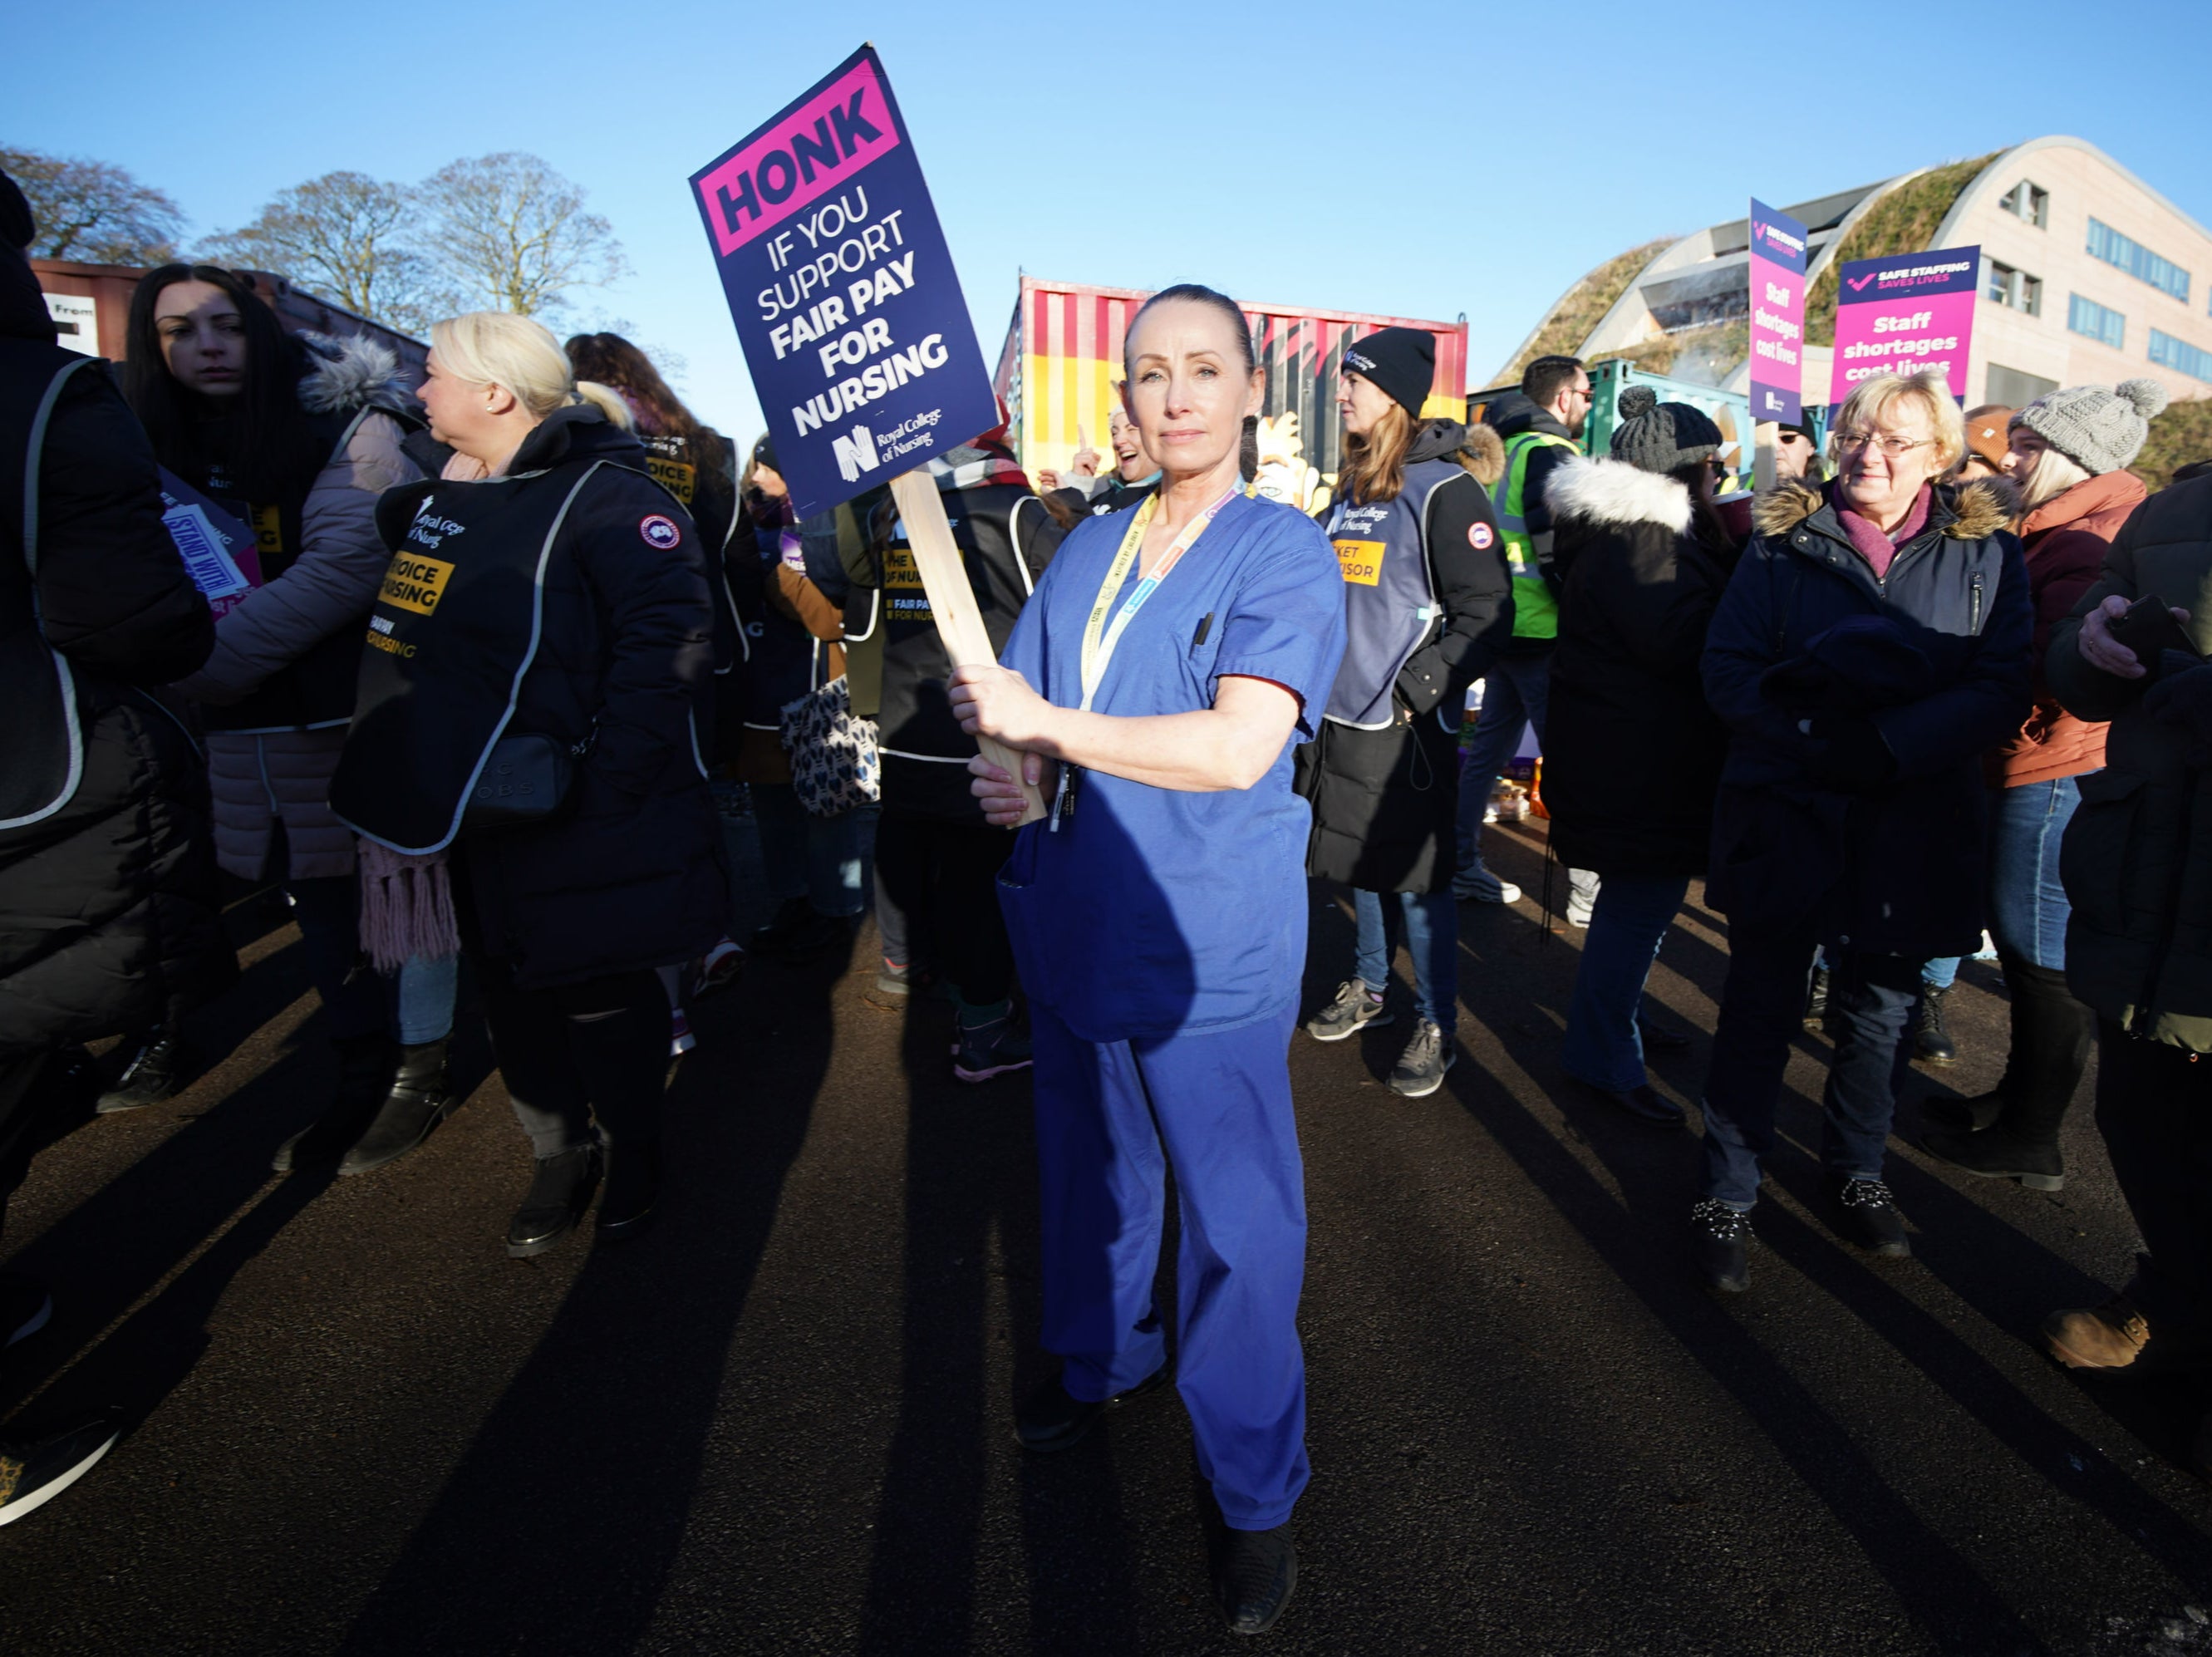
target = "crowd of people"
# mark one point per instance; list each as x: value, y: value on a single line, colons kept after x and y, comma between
x: 506, y: 643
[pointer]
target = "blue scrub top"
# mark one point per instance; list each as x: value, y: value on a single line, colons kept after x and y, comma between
x: 1154, y: 912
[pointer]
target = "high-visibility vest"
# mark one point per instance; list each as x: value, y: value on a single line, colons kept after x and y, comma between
x: 1536, y: 610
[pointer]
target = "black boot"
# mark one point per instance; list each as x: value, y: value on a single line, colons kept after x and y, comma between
x: 1972, y: 1115
x: 560, y: 1192
x: 1931, y: 1041
x: 159, y: 1068
x: 415, y: 1103
x: 365, y: 1068
x: 632, y: 1186
x: 2052, y: 1033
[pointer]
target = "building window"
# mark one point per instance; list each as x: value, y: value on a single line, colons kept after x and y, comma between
x: 2015, y: 388
x: 2171, y: 353
x: 2030, y: 202
x: 2138, y: 261
x: 2016, y: 289
x: 2086, y: 316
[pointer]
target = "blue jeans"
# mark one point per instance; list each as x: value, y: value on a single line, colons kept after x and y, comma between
x: 412, y: 1006
x: 2027, y: 900
x: 1431, y: 922
x: 1515, y: 692
x: 1870, y: 1000
x: 1629, y: 923
x: 802, y: 855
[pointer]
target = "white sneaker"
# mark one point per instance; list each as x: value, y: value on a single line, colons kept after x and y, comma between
x: 1477, y: 883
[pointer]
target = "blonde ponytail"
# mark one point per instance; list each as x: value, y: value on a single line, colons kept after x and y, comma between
x: 609, y: 402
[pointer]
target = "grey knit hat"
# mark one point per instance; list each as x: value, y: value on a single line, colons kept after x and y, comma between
x: 1657, y: 437
x: 2100, y: 429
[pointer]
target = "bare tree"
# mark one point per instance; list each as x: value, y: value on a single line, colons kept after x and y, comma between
x: 347, y: 237
x: 514, y: 235
x: 93, y: 211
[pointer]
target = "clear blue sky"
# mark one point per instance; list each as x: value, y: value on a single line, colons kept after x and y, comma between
x: 1418, y: 161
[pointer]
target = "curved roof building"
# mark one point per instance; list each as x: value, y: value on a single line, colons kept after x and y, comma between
x: 2088, y: 273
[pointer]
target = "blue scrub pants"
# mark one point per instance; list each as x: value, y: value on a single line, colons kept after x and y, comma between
x: 1112, y: 1118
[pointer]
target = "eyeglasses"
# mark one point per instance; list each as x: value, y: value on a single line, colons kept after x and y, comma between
x: 1892, y: 446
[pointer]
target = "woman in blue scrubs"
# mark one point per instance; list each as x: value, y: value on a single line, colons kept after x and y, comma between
x: 1154, y: 687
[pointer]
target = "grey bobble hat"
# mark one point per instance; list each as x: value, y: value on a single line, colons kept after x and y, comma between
x: 1658, y: 437
x: 2100, y: 429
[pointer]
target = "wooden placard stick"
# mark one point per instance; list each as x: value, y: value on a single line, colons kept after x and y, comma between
x: 952, y: 603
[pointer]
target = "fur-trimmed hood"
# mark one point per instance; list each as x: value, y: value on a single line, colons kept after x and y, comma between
x: 1482, y: 452
x: 1612, y: 492
x: 1979, y: 509
x: 353, y: 372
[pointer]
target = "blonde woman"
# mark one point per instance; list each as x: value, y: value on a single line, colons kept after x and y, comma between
x: 2069, y: 455
x: 1872, y: 645
x: 562, y: 596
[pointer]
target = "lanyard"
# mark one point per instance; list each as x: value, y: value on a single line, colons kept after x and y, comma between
x: 1097, y: 650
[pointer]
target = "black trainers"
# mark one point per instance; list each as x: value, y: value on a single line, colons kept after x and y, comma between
x: 1720, y: 1244
x: 1931, y: 1039
x: 990, y: 1049
x: 1421, y: 1069
x: 560, y: 1192
x: 1255, y: 1572
x: 1355, y: 1008
x: 159, y: 1068
x: 1866, y: 1214
x: 33, y: 1471
x: 1049, y: 1419
x: 26, y: 1307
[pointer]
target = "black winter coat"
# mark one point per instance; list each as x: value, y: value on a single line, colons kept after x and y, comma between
x: 1896, y: 868
x: 632, y: 873
x: 110, y: 918
x: 1386, y: 803
x: 1632, y: 751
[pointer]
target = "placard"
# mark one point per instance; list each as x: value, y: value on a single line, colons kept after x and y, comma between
x: 220, y: 554
x: 843, y: 290
x: 1777, y: 316
x: 1904, y: 313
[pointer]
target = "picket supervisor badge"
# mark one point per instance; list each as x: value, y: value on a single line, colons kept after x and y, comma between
x: 843, y: 290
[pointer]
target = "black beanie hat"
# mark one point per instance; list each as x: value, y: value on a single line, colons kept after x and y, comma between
x: 1402, y: 362
x: 1657, y: 437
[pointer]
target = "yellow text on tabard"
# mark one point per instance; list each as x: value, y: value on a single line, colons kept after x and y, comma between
x: 1362, y: 561
x: 414, y: 582
x: 680, y: 477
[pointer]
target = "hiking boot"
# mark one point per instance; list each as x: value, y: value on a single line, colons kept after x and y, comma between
x: 1720, y: 1242
x: 366, y: 1066
x: 560, y: 1191
x: 1477, y: 884
x: 26, y: 1307
x: 1866, y: 1216
x: 159, y: 1068
x: 2107, y: 1336
x: 1931, y: 1041
x: 32, y: 1472
x: 419, y: 1098
x: 1420, y: 1068
x: 990, y: 1049
x: 1355, y: 1007
x: 1051, y: 1419
x: 631, y: 1188
x: 1255, y: 1574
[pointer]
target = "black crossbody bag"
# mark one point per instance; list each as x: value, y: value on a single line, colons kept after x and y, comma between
x: 526, y: 779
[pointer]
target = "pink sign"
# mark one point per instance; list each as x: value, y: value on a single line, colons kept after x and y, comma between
x: 817, y: 147
x: 1906, y: 314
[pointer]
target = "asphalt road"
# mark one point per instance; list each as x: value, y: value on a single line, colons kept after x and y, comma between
x: 782, y: 1422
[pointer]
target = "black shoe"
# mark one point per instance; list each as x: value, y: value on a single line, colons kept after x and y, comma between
x: 1255, y: 1572
x: 632, y: 1186
x: 26, y: 1307
x: 560, y: 1192
x: 798, y: 930
x: 366, y: 1065
x: 1720, y: 1242
x: 1816, y: 999
x: 1051, y: 1420
x: 419, y: 1098
x: 1665, y: 1037
x: 1643, y: 1102
x: 35, y: 1471
x: 161, y: 1067
x: 2001, y: 1152
x: 1931, y: 1041
x: 1866, y: 1214
x: 1963, y: 1115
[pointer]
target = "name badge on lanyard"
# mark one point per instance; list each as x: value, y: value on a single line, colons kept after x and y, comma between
x: 1100, y: 639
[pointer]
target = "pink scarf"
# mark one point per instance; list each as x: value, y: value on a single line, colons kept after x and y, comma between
x: 1874, y: 546
x: 406, y: 908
